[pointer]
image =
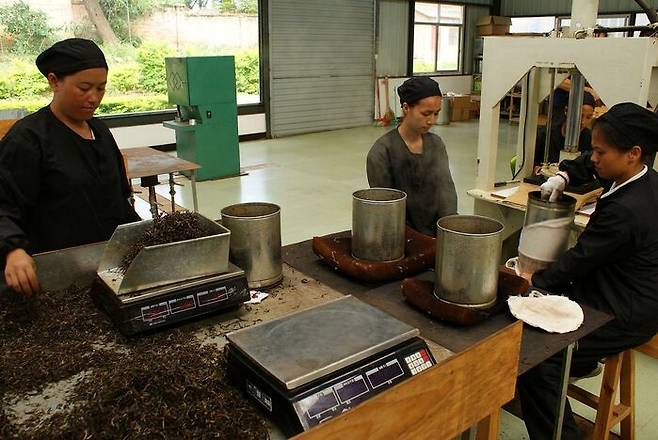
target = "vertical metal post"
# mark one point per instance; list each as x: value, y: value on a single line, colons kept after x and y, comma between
x: 195, y: 200
x: 527, y: 139
x: 172, y: 192
x: 549, y: 121
x: 574, y: 111
x: 564, y: 385
x: 583, y: 14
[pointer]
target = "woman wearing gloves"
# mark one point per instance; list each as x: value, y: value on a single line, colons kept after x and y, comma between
x: 614, y: 265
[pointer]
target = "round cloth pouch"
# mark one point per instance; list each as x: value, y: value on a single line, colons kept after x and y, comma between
x: 553, y: 313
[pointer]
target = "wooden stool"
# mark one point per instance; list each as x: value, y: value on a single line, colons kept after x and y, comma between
x: 650, y: 348
x: 5, y: 125
x: 618, y: 373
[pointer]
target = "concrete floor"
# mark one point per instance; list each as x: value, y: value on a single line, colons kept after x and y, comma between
x: 312, y: 178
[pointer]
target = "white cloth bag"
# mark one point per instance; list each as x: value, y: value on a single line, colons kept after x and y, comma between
x: 553, y: 313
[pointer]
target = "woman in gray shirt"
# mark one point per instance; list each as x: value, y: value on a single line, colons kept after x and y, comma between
x: 411, y: 159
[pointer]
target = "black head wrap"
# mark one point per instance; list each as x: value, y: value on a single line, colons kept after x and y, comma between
x: 414, y: 89
x: 634, y: 122
x: 70, y: 56
x: 588, y: 99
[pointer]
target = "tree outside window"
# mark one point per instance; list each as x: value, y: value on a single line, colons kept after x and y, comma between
x: 136, y: 36
x: 437, y: 37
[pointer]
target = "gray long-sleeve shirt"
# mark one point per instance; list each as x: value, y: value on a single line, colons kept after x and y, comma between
x: 424, y: 177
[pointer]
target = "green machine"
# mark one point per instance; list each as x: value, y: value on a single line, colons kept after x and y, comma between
x: 206, y: 125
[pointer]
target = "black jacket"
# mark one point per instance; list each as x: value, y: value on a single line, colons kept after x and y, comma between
x: 57, y: 189
x: 557, y: 143
x: 614, y: 265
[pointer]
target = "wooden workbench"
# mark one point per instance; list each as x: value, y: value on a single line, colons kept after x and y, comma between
x: 296, y: 292
x: 145, y: 162
x: 537, y: 345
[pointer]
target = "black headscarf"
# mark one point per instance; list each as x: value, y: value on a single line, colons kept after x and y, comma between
x: 588, y: 99
x: 70, y: 56
x: 414, y: 89
x: 634, y: 122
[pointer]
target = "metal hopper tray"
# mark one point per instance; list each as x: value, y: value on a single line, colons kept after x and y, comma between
x: 165, y: 263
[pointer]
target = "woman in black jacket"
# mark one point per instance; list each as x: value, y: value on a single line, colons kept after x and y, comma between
x: 62, y: 177
x: 614, y: 265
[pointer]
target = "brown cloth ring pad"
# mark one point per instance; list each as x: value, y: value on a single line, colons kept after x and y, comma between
x: 419, y: 253
x: 420, y: 294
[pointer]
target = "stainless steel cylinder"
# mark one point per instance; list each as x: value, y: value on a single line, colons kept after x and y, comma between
x: 468, y: 250
x: 546, y: 230
x: 255, y: 241
x: 378, y: 219
x: 444, y: 113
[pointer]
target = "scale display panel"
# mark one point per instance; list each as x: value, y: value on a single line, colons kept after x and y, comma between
x: 148, y: 310
x: 344, y: 352
x: 348, y: 390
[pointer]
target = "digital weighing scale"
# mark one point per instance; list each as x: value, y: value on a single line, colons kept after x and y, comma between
x: 305, y: 368
x: 149, y: 309
x: 166, y: 283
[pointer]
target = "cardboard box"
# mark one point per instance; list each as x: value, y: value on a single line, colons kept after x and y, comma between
x: 493, y: 25
x: 460, y: 108
x: 475, y: 106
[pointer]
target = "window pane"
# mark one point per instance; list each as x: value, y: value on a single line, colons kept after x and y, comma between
x: 613, y: 22
x: 605, y: 22
x: 427, y: 12
x: 424, y: 48
x: 147, y: 31
x: 451, y: 14
x: 640, y: 20
x: 532, y: 24
x: 448, y: 48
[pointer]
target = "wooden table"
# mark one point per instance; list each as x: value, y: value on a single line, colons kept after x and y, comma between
x: 148, y: 163
x: 536, y: 345
x: 580, y: 220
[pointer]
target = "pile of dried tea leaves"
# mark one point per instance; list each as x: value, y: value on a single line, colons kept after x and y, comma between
x: 49, y: 337
x: 170, y: 228
x: 164, y: 385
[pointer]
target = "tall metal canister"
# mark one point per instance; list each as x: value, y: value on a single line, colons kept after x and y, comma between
x: 378, y: 223
x: 546, y: 230
x: 255, y: 241
x: 468, y: 250
x: 444, y: 113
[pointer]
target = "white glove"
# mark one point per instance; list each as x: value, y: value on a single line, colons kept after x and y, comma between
x: 554, y: 186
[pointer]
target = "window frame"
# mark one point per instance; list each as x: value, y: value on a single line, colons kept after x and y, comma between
x: 158, y: 116
x: 437, y: 25
x: 560, y: 18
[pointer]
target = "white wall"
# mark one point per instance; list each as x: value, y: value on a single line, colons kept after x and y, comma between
x: 59, y: 12
x: 156, y: 134
x: 180, y: 27
x: 459, y: 84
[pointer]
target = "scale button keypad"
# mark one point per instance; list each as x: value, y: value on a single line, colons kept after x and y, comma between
x: 418, y: 362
